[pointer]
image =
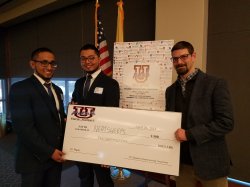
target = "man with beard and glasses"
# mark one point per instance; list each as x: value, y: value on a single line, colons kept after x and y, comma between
x: 207, y: 117
x: 95, y: 89
x: 37, y: 114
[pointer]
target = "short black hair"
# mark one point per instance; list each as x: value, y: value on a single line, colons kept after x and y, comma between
x: 35, y: 53
x: 183, y: 45
x: 90, y: 46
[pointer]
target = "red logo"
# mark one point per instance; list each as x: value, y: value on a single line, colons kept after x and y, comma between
x: 83, y: 112
x: 141, y: 73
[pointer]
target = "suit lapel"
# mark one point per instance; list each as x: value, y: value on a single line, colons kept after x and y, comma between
x: 198, y: 85
x: 44, y: 95
x: 171, y: 98
x: 59, y: 96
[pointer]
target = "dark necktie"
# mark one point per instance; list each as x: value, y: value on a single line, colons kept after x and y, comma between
x: 86, y: 86
x: 48, y: 86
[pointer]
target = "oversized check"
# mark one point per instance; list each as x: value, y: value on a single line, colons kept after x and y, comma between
x: 128, y: 138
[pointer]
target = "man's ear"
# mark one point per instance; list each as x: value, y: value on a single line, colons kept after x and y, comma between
x: 32, y: 64
x: 194, y: 55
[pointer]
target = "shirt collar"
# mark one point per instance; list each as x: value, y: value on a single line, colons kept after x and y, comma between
x: 96, y: 73
x: 40, y: 79
x: 189, y: 77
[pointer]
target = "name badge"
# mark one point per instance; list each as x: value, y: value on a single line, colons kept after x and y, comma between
x: 98, y: 90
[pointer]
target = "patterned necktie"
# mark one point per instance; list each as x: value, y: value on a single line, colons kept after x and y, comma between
x: 86, y: 86
x: 48, y: 86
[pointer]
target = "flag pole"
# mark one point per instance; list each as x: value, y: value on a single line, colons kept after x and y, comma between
x: 120, y: 22
x: 96, y: 27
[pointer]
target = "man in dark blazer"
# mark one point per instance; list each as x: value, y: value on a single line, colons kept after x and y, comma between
x: 207, y: 117
x: 39, y: 122
x: 94, y: 89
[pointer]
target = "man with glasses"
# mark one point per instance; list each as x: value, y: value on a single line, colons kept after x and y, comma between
x: 207, y: 117
x: 95, y: 89
x: 38, y: 117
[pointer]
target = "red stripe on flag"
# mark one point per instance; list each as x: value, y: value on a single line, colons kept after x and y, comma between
x: 108, y: 71
x: 103, y: 49
x: 104, y: 60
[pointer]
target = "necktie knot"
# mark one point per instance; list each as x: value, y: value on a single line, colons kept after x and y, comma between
x: 48, y: 86
x: 89, y: 77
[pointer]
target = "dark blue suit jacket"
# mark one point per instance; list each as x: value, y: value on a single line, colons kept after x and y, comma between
x: 104, y: 91
x: 209, y: 119
x: 37, y: 124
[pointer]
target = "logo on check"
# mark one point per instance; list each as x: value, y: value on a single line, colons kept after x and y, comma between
x: 83, y: 111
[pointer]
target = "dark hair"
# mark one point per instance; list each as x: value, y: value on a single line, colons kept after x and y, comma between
x: 35, y: 53
x: 183, y: 45
x: 90, y: 46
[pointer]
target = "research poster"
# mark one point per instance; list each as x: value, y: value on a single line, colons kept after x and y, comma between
x: 144, y: 71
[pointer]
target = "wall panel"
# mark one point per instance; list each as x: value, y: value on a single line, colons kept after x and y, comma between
x: 228, y: 57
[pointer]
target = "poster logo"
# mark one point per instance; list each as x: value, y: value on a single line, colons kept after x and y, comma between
x: 83, y: 112
x: 141, y: 73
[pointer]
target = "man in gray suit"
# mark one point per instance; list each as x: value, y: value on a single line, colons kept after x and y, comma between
x: 94, y: 89
x: 37, y: 115
x: 207, y: 117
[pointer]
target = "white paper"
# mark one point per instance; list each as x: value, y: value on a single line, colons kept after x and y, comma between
x: 128, y: 138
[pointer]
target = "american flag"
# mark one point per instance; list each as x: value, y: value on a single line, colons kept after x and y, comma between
x: 102, y: 45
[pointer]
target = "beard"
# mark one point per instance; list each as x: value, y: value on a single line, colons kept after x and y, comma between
x: 181, y: 69
x: 46, y: 79
x: 93, y: 71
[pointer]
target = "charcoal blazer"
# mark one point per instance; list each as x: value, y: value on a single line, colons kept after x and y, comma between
x: 104, y: 91
x: 209, y: 119
x: 37, y: 124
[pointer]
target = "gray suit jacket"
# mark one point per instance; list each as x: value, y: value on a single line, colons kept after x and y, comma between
x: 37, y: 124
x: 209, y: 119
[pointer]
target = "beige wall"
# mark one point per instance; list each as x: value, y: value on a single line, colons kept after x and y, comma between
x: 184, y: 20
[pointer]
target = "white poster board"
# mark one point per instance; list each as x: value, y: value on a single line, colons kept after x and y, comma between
x: 144, y: 71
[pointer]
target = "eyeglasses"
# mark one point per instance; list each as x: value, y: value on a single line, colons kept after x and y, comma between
x: 46, y: 63
x: 90, y: 58
x: 182, y: 57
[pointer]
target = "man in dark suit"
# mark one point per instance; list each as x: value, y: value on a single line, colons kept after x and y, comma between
x: 94, y: 89
x: 207, y: 117
x: 38, y: 120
